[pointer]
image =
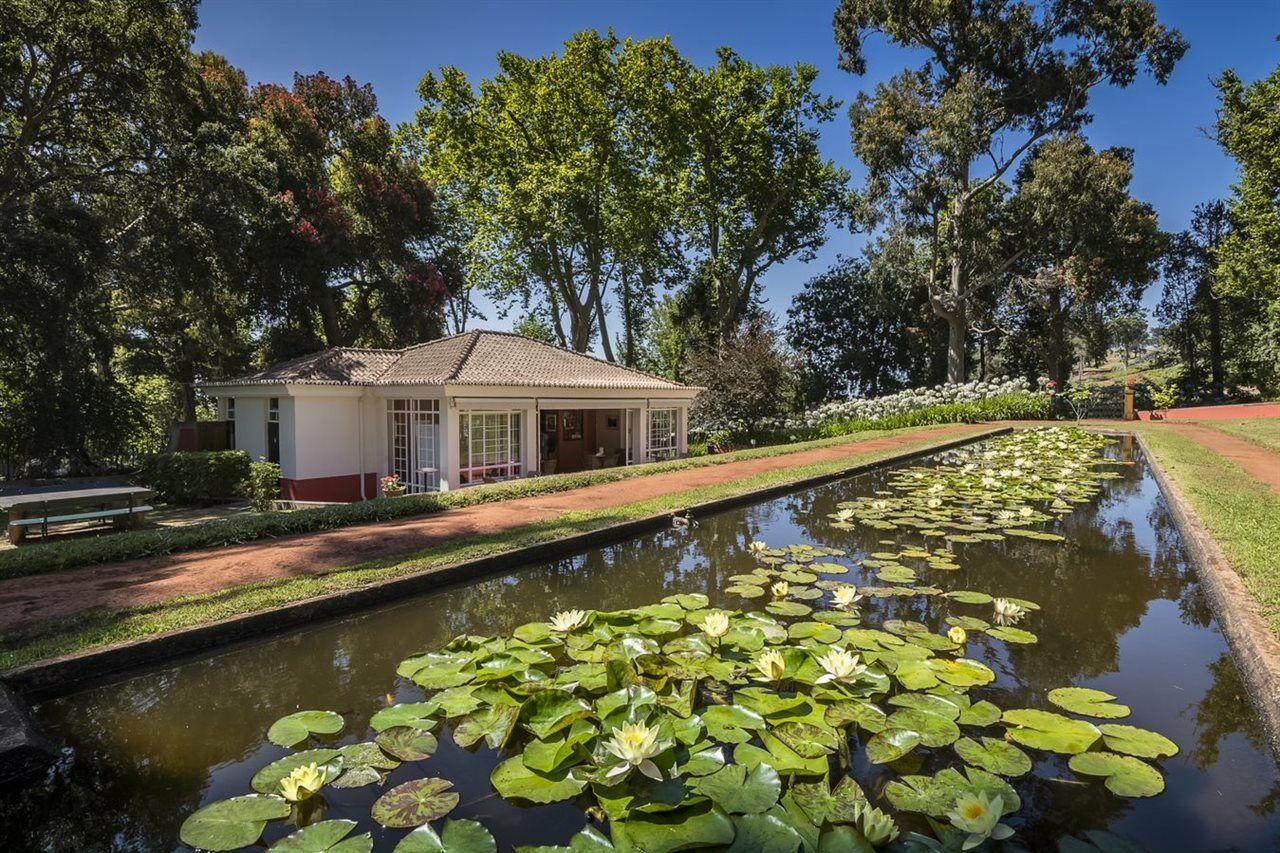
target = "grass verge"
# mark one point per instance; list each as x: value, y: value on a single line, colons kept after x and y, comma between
x: 101, y: 628
x: 1240, y: 513
x: 247, y: 527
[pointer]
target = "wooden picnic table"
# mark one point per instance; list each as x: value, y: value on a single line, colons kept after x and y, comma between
x: 126, y: 506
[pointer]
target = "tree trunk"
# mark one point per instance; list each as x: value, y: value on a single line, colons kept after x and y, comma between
x: 328, y: 309
x: 957, y: 315
x: 1055, y: 352
x: 1215, y: 348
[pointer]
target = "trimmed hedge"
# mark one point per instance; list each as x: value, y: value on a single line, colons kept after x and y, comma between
x: 197, y: 477
x: 1005, y: 407
x: 55, y: 556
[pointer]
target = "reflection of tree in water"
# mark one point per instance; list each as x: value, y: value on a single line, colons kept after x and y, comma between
x: 1226, y: 710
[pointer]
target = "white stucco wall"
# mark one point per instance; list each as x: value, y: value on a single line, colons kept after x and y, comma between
x: 326, y: 435
x: 251, y: 426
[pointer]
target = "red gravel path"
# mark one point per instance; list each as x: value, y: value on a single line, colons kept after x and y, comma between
x: 1258, y: 461
x: 26, y: 601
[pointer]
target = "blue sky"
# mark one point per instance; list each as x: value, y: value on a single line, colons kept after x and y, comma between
x: 391, y: 44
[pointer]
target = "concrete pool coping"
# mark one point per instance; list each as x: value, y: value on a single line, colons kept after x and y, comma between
x: 61, y: 676
x: 1254, y: 648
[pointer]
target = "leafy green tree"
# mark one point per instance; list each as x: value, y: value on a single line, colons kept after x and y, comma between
x: 1129, y: 331
x: 857, y: 328
x: 996, y: 79
x: 754, y: 188
x: 1083, y: 245
x: 1249, y: 130
x: 340, y: 251
x: 549, y: 161
x: 82, y: 88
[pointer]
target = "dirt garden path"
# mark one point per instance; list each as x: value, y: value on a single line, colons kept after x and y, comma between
x: 1258, y: 461
x: 25, y: 601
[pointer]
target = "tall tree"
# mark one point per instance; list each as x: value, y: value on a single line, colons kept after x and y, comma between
x: 342, y: 248
x: 997, y: 78
x: 754, y: 188
x: 857, y: 328
x: 1249, y: 130
x: 550, y: 161
x: 81, y: 84
x: 1082, y: 242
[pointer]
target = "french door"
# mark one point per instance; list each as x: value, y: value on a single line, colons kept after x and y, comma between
x: 414, y: 446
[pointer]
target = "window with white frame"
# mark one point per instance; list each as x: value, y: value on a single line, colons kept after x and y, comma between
x: 413, y: 447
x: 231, y: 408
x: 231, y: 423
x: 662, y: 433
x: 488, y: 447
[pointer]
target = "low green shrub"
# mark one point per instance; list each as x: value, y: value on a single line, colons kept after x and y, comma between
x: 262, y: 486
x: 196, y: 477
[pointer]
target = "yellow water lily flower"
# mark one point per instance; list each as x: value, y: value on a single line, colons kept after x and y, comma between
x: 1007, y: 612
x: 716, y: 625
x: 780, y: 589
x: 839, y: 665
x: 845, y: 596
x: 958, y: 635
x: 772, y: 665
x: 567, y: 621
x: 303, y: 782
x: 635, y: 745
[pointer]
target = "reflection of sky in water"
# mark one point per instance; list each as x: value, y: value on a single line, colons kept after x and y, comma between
x: 1119, y: 613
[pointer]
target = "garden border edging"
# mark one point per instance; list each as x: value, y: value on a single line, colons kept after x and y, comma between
x: 66, y: 674
x: 1254, y: 648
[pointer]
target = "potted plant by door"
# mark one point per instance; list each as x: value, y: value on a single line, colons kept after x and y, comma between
x: 392, y: 487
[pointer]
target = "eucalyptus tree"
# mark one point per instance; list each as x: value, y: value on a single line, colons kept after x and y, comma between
x: 997, y: 77
x: 551, y: 161
x: 754, y: 188
x: 1082, y: 243
x: 1249, y: 130
x: 1192, y: 304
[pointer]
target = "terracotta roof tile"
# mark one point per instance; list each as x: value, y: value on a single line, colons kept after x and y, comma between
x: 473, y: 358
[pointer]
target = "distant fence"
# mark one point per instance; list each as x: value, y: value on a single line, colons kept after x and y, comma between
x: 1107, y: 402
x: 202, y: 435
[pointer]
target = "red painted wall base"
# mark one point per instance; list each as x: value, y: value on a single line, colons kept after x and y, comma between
x: 340, y: 489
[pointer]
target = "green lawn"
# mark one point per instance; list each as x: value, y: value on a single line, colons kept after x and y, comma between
x: 1261, y: 431
x: 100, y: 628
x: 1241, y: 513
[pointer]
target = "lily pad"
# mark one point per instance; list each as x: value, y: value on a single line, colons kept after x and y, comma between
x: 994, y: 756
x: 1132, y: 740
x: 934, y: 730
x: 406, y: 743
x: 1089, y: 702
x: 697, y: 826
x: 514, y: 780
x: 416, y: 715
x: 415, y: 803
x: 764, y: 833
x: 363, y: 764
x: 552, y: 710
x: 739, y: 790
x: 458, y: 836
x: 1125, y: 776
x: 732, y: 723
x: 788, y: 608
x: 1050, y: 731
x: 232, y: 824
x: 891, y: 744
x: 494, y: 724
x: 807, y: 739
x: 297, y: 727
x: 327, y: 836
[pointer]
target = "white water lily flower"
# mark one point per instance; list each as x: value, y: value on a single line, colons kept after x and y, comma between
x: 846, y: 596
x: 1025, y: 512
x: 1004, y: 515
x: 780, y: 589
x: 936, y: 488
x: 879, y: 505
x: 567, y: 621
x: 990, y: 482
x: 758, y: 547
x: 844, y: 515
x: 771, y: 665
x: 839, y: 665
x: 716, y: 625
x: 1059, y: 487
x: 934, y: 503
x: 1007, y: 612
x: 979, y: 816
x: 303, y: 782
x: 635, y: 745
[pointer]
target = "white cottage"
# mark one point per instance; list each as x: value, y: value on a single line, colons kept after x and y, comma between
x: 478, y: 407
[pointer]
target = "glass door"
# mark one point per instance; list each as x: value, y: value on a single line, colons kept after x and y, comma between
x: 414, y: 427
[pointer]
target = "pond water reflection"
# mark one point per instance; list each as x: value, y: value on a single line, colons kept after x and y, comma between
x: 1121, y: 611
